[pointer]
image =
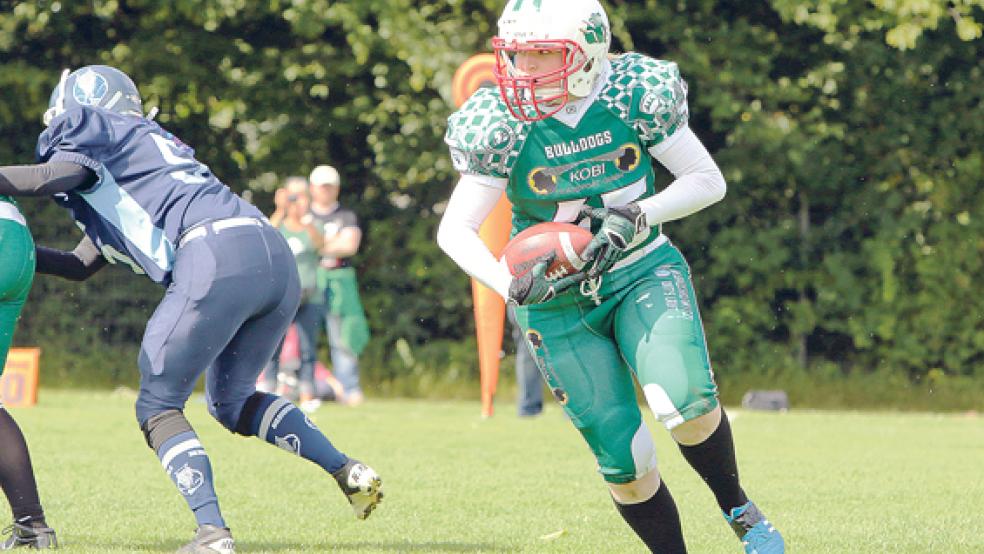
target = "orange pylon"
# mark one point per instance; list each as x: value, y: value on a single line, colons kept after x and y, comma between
x: 490, y: 308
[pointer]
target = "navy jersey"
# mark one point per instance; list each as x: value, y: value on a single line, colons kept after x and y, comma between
x: 150, y: 187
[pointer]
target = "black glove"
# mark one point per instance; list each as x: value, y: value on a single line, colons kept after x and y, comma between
x: 619, y: 227
x: 533, y: 287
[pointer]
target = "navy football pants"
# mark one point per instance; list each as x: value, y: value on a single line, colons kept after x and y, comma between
x: 232, y: 297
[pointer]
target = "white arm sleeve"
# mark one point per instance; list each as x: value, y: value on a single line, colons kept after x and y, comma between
x: 471, y: 202
x: 699, y: 183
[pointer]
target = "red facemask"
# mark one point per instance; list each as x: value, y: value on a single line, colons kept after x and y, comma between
x: 525, y: 96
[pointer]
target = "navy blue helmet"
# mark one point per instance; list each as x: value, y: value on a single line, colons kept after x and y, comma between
x: 94, y: 85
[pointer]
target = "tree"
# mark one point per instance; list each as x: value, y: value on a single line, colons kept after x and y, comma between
x: 849, y: 134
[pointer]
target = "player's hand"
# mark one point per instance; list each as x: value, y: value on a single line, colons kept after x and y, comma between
x: 619, y: 227
x: 534, y: 287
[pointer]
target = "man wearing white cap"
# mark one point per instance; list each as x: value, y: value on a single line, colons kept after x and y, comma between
x: 345, y: 319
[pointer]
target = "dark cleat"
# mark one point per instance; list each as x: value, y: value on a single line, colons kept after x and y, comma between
x: 28, y: 536
x: 210, y: 539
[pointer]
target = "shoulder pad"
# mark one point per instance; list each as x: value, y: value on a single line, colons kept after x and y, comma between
x: 649, y: 94
x: 84, y: 130
x: 484, y: 138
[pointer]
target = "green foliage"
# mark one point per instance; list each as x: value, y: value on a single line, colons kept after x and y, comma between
x: 849, y: 134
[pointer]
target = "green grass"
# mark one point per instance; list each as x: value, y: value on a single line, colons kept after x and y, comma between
x: 833, y: 482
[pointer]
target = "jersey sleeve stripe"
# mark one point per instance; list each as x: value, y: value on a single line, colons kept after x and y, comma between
x: 120, y: 210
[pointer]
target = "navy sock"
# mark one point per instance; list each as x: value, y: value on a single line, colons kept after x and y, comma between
x: 281, y: 423
x: 186, y: 463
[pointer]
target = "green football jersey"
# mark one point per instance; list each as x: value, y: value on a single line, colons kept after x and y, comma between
x: 9, y: 210
x: 308, y: 258
x: 554, y: 169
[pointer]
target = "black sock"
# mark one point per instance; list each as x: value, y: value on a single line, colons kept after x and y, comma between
x: 16, y: 473
x: 656, y: 521
x: 714, y: 461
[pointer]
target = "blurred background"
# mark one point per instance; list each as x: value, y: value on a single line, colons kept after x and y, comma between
x: 844, y: 265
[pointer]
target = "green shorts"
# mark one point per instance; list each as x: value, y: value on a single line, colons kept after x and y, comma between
x: 642, y: 321
x: 16, y: 275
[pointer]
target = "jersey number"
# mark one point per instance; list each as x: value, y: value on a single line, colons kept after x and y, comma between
x: 114, y: 256
x: 567, y: 210
x: 170, y: 151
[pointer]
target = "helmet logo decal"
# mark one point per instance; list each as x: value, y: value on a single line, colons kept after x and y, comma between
x: 519, y: 5
x: 90, y: 88
x: 594, y: 33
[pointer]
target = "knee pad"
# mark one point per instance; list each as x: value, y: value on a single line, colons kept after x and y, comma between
x: 161, y: 427
x: 630, y: 458
x: 226, y: 413
x: 236, y: 412
x: 254, y: 404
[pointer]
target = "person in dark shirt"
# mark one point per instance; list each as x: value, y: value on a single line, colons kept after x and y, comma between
x: 345, y: 318
x: 529, y: 383
x: 231, y: 286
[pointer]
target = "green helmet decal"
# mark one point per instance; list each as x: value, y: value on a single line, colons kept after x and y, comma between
x: 518, y: 5
x: 594, y: 33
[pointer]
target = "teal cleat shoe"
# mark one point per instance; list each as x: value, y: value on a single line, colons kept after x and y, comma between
x: 757, y: 535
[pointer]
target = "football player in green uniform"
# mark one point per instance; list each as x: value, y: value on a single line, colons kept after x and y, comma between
x: 570, y: 135
x: 29, y: 529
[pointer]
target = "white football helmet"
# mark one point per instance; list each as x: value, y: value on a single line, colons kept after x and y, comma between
x: 577, y: 28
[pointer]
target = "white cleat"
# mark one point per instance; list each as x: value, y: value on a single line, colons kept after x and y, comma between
x: 361, y: 485
x: 210, y: 539
x: 310, y: 406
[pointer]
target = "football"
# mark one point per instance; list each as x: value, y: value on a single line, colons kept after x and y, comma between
x: 565, y: 240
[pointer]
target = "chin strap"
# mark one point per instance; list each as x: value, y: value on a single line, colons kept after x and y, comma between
x: 590, y: 287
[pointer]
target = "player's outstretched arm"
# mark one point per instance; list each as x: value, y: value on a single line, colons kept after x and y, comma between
x: 44, y: 179
x: 471, y: 202
x: 77, y: 265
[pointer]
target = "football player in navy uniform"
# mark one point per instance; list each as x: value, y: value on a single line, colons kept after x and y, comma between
x: 231, y: 285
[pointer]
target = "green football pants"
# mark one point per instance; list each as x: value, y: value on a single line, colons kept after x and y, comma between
x: 16, y: 275
x: 642, y: 320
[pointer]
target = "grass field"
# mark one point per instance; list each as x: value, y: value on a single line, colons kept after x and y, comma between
x: 832, y: 482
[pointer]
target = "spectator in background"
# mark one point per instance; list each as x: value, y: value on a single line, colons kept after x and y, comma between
x: 345, y: 319
x: 291, y: 218
x: 529, y: 383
